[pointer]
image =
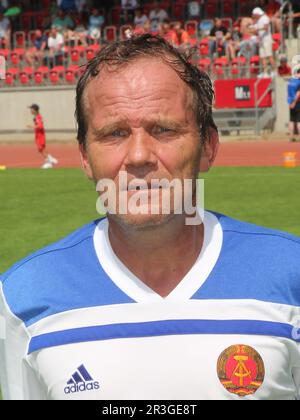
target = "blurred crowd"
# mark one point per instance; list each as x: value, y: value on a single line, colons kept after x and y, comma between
x: 81, y: 22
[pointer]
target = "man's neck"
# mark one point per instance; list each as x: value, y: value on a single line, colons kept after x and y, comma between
x: 159, y: 256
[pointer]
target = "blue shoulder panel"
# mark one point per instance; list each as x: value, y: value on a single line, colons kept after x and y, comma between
x: 255, y: 263
x: 63, y: 276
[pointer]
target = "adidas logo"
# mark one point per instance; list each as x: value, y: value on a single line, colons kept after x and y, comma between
x: 81, y: 381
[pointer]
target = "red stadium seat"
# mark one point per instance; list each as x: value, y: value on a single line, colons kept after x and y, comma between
x: 204, y: 47
x: 211, y: 8
x: 191, y: 26
x: 90, y: 54
x: 254, y: 65
x: 5, y: 53
x: 228, y: 8
x: 115, y: 14
x: 59, y: 69
x: 241, y: 61
x: 276, y: 42
x: 204, y: 64
x: 110, y: 33
x: 178, y: 10
x: 16, y: 56
x: 235, y: 69
x: 147, y: 8
x: 38, y: 77
x: 28, y: 70
x: 244, y: 8
x: 70, y: 76
x: 44, y: 70
x: 227, y: 22
x: 39, y: 19
x: 238, y: 65
x: 19, y: 39
x: 75, y: 55
x: 24, y: 78
x: 54, y: 77
x: 14, y: 71
x: 9, y: 79
x: 26, y: 20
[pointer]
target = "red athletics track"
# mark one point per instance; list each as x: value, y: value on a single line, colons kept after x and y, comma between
x: 236, y: 153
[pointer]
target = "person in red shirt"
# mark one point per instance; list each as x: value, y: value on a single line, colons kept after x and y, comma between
x: 40, y: 137
x: 284, y: 69
x: 182, y: 37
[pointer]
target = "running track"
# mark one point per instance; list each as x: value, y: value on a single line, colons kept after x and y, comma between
x: 236, y: 153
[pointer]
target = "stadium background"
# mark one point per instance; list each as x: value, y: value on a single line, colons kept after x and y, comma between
x: 250, y: 180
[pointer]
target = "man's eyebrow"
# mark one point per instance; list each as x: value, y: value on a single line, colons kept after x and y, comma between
x: 107, y: 129
x: 164, y: 122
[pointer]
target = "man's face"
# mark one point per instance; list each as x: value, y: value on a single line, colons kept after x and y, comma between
x: 141, y: 120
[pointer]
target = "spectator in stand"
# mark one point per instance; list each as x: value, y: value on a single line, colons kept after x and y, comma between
x: 218, y: 38
x: 4, y: 31
x: 128, y: 7
x: 4, y: 4
x: 67, y: 5
x: 62, y: 22
x: 80, y: 5
x: 36, y: 53
x: 96, y: 21
x: 293, y: 93
x: 77, y: 36
x: 166, y: 32
x: 194, y: 9
x: 284, y: 69
x: 296, y: 15
x: 157, y: 16
x: 262, y: 28
x: 182, y: 37
x: 272, y: 10
x: 55, y: 46
x: 139, y: 18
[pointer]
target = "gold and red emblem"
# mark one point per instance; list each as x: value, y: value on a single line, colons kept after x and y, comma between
x: 241, y: 370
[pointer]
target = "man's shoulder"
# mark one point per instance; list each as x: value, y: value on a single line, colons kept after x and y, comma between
x: 52, y: 253
x: 258, y: 263
x: 256, y: 232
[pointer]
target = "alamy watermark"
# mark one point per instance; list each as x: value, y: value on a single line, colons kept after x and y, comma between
x: 155, y: 197
x: 2, y: 67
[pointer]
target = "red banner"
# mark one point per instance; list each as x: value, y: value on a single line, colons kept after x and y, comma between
x: 240, y: 93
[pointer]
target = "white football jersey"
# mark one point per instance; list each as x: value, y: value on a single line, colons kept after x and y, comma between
x: 77, y: 324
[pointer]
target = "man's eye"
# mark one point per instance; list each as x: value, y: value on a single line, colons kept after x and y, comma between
x: 118, y: 133
x: 162, y: 130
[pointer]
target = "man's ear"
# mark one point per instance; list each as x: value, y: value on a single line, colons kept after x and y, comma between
x: 209, y: 150
x: 85, y: 161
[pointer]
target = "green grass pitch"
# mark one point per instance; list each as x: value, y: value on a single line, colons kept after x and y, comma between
x: 39, y: 206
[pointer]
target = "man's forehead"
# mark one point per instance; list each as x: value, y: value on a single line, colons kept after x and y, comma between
x: 132, y: 79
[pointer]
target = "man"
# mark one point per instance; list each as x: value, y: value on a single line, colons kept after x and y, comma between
x: 157, y: 16
x: 40, y: 137
x: 36, y: 53
x: 293, y: 99
x: 218, y: 38
x: 262, y: 28
x: 140, y: 19
x: 55, y: 45
x: 183, y: 38
x: 62, y: 22
x: 143, y: 305
x: 4, y: 31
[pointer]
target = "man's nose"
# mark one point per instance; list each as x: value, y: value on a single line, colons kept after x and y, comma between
x: 140, y: 150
